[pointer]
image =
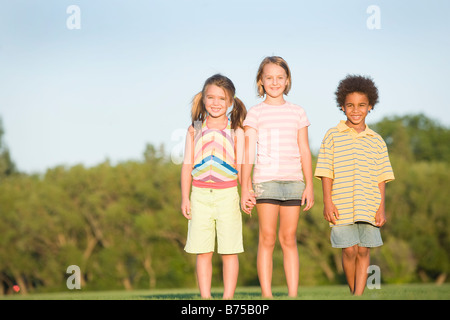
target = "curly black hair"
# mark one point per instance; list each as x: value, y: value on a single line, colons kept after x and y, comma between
x: 356, y: 83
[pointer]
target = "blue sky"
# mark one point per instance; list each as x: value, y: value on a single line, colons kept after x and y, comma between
x: 127, y: 76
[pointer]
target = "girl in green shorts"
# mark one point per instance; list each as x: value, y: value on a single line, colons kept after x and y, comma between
x: 213, y: 155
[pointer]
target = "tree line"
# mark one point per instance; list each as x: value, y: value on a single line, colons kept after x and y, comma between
x: 122, y: 226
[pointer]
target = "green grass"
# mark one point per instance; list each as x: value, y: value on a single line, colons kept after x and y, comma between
x: 387, y: 292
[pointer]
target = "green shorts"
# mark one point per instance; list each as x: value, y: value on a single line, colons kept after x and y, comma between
x: 215, y: 211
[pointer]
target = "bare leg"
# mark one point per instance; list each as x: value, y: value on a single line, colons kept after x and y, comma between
x: 362, y: 263
x: 204, y: 274
x: 230, y: 274
x: 348, y: 263
x: 288, y: 239
x: 268, y: 217
x: 355, y: 261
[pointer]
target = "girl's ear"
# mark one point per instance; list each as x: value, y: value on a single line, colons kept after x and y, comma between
x: 370, y: 108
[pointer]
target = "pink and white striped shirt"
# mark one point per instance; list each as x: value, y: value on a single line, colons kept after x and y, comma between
x: 278, y: 154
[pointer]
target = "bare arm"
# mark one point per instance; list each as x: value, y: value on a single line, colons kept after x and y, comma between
x: 247, y: 197
x: 330, y: 211
x: 305, y: 153
x: 186, y: 169
x: 380, y: 216
x: 239, y: 134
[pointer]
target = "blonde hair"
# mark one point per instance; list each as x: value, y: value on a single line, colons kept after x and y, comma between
x: 237, y: 114
x: 279, y: 62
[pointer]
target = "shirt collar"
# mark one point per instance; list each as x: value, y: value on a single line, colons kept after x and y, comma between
x: 343, y: 127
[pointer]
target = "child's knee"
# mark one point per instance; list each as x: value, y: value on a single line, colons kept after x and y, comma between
x: 267, y: 239
x: 363, y: 252
x: 230, y: 258
x: 288, y: 240
x: 204, y: 257
x: 350, y: 252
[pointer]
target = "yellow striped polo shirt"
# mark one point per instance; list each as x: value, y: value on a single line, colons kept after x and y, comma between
x: 357, y: 163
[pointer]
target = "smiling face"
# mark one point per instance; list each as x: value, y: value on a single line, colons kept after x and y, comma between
x: 274, y: 80
x: 216, y: 101
x: 356, y: 108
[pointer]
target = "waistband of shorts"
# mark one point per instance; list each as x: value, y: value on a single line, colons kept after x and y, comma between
x: 214, y: 185
x: 200, y: 189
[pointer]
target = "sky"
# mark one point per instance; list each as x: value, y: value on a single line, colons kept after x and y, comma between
x: 103, y: 80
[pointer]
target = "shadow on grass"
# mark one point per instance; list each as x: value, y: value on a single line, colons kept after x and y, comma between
x: 239, y: 295
x: 171, y: 296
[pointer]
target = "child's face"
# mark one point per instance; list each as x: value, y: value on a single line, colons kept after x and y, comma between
x: 356, y: 108
x: 274, y: 80
x: 215, y: 100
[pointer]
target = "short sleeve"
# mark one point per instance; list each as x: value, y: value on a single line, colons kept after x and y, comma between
x: 325, y: 166
x: 385, y: 172
x: 251, y: 119
x: 303, y: 119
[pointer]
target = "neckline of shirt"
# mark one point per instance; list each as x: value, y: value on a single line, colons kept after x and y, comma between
x: 276, y: 106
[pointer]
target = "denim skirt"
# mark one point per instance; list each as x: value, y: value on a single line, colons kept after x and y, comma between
x: 279, y: 190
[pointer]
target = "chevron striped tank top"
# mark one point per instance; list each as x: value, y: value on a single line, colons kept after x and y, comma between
x: 214, y: 158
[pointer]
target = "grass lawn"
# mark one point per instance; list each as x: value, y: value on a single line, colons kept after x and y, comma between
x: 387, y: 292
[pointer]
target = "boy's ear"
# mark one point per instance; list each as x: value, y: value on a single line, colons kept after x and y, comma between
x: 370, y: 108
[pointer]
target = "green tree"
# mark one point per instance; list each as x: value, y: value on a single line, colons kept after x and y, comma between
x: 415, y: 137
x: 7, y: 166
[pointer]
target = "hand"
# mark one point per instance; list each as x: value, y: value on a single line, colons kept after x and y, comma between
x: 308, y: 198
x: 186, y: 209
x: 380, y: 217
x: 330, y: 212
x: 249, y: 204
x: 248, y: 201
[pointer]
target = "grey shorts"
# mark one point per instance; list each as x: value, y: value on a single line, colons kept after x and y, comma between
x: 361, y: 233
x: 287, y: 193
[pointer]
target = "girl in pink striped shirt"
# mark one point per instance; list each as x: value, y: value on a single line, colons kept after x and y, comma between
x: 282, y: 176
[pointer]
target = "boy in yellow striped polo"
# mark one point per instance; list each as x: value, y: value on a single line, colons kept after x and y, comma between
x: 354, y: 166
